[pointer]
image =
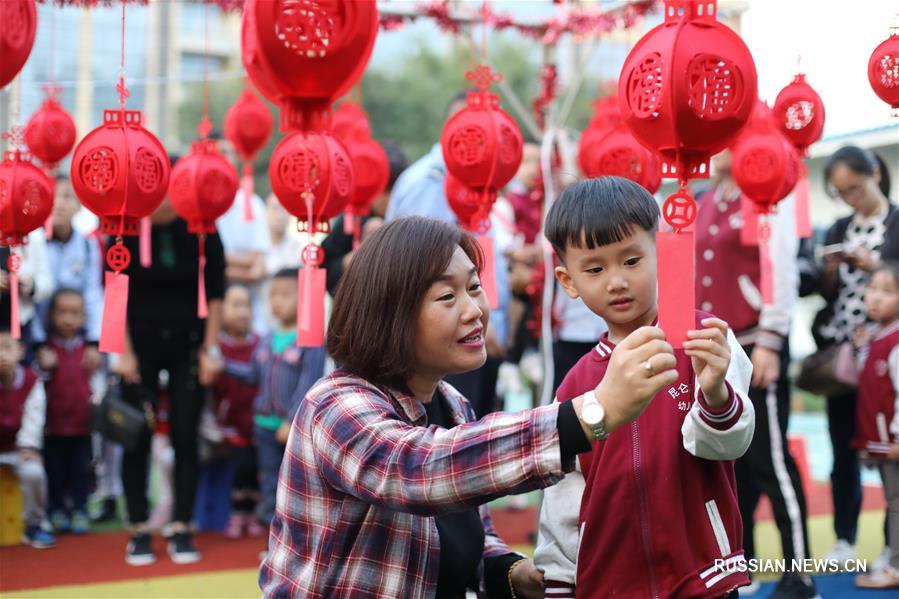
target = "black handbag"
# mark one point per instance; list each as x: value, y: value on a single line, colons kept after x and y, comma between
x: 119, y: 421
x: 828, y: 372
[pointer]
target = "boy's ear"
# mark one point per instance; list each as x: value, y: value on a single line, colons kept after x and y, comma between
x: 565, y: 281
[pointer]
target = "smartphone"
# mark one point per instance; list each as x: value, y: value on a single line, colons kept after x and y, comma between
x: 836, y: 249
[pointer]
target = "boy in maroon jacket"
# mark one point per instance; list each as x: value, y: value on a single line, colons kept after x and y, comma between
x: 653, y: 510
x: 67, y: 382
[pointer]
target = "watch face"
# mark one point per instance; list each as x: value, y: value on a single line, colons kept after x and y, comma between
x: 592, y: 413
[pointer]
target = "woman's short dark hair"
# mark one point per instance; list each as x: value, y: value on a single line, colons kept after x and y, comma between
x: 373, y: 323
x: 599, y: 212
x: 861, y: 162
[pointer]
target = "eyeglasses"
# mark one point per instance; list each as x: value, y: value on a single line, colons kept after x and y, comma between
x: 850, y: 192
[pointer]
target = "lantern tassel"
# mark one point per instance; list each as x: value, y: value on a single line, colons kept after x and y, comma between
x: 14, y: 324
x: 48, y: 228
x: 246, y: 186
x: 803, y: 205
x: 488, y: 271
x: 767, y: 278
x: 749, y: 232
x: 311, y: 307
x: 146, y: 242
x: 357, y: 233
x: 348, y: 221
x: 202, y: 307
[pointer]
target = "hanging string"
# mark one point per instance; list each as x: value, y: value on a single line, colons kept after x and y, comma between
x: 121, y: 88
x: 484, y: 32
x: 205, y: 125
x: 52, y: 43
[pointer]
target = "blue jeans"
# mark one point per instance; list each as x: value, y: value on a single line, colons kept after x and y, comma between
x: 268, y: 457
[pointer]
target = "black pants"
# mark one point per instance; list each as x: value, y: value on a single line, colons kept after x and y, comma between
x: 246, y: 478
x: 845, y: 478
x: 174, y: 351
x: 768, y: 468
x: 565, y: 355
x: 479, y: 386
x: 67, y: 461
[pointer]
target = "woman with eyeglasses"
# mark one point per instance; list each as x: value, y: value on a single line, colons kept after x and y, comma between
x: 854, y: 247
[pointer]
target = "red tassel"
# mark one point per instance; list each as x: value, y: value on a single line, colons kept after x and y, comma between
x: 488, y: 271
x: 115, y: 309
x: 349, y: 221
x: 202, y: 307
x: 677, y: 296
x: 311, y: 307
x: 48, y: 228
x: 749, y: 233
x: 246, y: 186
x: 357, y: 233
x: 14, y: 324
x: 767, y: 277
x: 146, y: 242
x: 803, y: 206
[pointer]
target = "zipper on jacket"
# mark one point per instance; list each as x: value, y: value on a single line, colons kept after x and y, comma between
x: 644, y: 510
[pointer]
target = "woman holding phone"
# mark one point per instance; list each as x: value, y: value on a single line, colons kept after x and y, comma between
x: 854, y: 247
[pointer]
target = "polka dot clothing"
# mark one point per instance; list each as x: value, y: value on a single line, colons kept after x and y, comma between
x: 849, y: 308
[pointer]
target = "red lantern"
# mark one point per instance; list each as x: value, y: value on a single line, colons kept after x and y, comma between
x: 685, y: 91
x: 26, y: 200
x: 481, y: 143
x: 18, y: 25
x: 465, y: 203
x: 607, y: 113
x: 883, y: 71
x: 303, y: 54
x: 370, y: 164
x: 50, y: 132
x: 617, y: 153
x: 349, y: 120
x: 248, y: 126
x: 799, y: 114
x: 203, y: 185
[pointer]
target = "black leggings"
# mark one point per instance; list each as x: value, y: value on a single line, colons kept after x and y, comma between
x: 176, y: 352
x: 245, y: 488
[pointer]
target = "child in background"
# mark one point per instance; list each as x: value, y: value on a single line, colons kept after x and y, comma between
x: 22, y: 406
x: 67, y: 383
x: 234, y: 411
x: 877, y: 422
x: 284, y: 373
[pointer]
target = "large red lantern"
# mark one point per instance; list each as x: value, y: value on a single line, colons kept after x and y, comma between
x: 883, y: 71
x: 248, y: 126
x: 465, y: 204
x: 799, y: 113
x: 685, y: 91
x: 616, y: 152
x: 18, y: 25
x: 26, y: 200
x: 50, y: 132
x: 304, y: 54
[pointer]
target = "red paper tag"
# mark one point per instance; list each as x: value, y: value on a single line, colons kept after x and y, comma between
x: 48, y: 227
x: 348, y: 222
x: 677, y: 299
x: 146, y: 242
x: 488, y: 272
x: 202, y: 307
x: 115, y: 309
x: 803, y: 208
x: 749, y: 233
x: 767, y: 278
x: 246, y: 187
x: 311, y: 307
x: 15, y: 326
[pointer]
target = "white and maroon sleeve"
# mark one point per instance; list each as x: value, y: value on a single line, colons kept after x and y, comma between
x: 723, y: 433
x: 894, y: 378
x: 774, y: 319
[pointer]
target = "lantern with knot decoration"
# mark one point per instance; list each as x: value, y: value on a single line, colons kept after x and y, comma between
x: 18, y: 25
x: 203, y: 185
x: 799, y: 114
x: 248, y: 126
x: 26, y: 200
x: 606, y: 117
x: 50, y: 132
x: 685, y: 91
x: 766, y: 167
x: 883, y: 71
x: 616, y: 152
x: 304, y: 54
x: 465, y: 204
x: 481, y: 143
x: 370, y: 164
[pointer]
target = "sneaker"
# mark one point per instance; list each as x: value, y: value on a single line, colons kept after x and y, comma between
x: 795, y: 586
x: 234, y: 530
x: 108, y: 511
x: 38, y: 537
x: 255, y: 529
x: 888, y: 578
x: 60, y: 522
x: 80, y: 523
x: 181, y: 549
x: 140, y: 550
x: 841, y: 552
x: 882, y: 561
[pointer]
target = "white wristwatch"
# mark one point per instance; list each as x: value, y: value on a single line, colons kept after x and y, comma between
x: 594, y: 416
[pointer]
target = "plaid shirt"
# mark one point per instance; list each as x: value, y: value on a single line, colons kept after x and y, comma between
x: 363, y: 478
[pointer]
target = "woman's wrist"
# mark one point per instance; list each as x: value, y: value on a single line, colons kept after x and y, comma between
x: 511, y: 571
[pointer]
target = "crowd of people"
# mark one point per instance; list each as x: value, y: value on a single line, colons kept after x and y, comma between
x: 234, y: 389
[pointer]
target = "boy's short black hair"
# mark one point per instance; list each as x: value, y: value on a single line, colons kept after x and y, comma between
x: 287, y: 273
x: 599, y: 212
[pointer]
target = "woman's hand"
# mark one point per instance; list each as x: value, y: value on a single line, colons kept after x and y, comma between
x: 765, y: 366
x: 863, y: 259
x: 527, y: 580
x: 127, y: 367
x: 710, y: 353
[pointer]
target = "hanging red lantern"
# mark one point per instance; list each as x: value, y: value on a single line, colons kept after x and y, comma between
x: 50, y: 133
x: 248, y: 126
x: 350, y: 120
x: 465, y: 204
x: 799, y: 113
x: 26, y: 200
x: 607, y: 113
x: 617, y: 153
x: 304, y: 54
x: 883, y: 71
x: 18, y: 25
x: 685, y: 90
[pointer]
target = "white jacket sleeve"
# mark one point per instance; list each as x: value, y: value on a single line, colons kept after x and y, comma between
x: 784, y: 248
x: 725, y: 435
x: 557, y: 533
x: 894, y: 375
x: 31, y: 433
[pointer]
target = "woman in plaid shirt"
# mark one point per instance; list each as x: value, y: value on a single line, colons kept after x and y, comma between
x: 386, y: 472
